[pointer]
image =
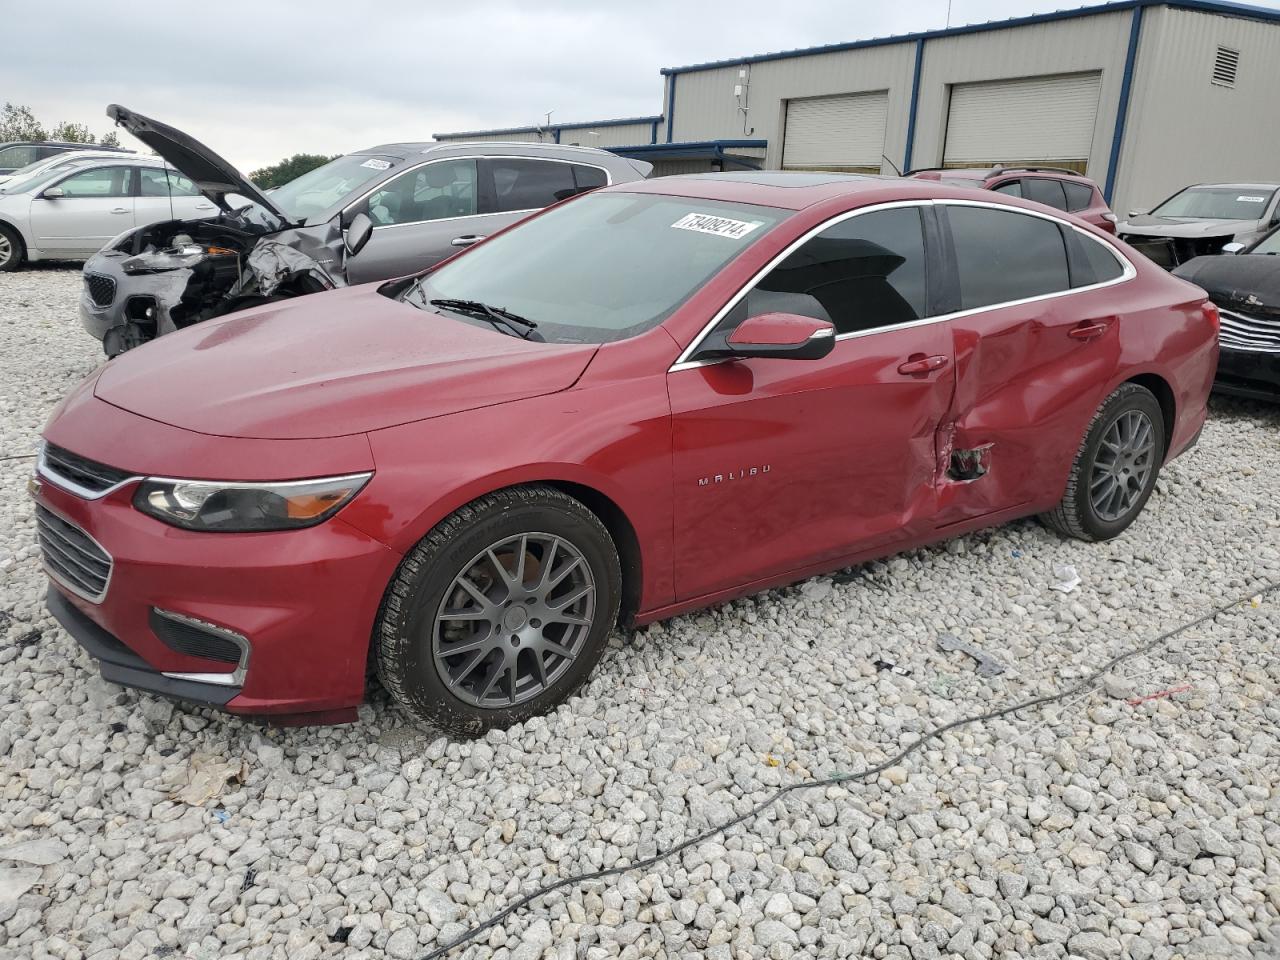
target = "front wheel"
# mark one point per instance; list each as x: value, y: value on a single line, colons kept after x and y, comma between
x: 500, y: 613
x: 1116, y: 468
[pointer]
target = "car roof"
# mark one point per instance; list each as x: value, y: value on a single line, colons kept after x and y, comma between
x: 1239, y: 186
x: 496, y: 147
x: 795, y: 191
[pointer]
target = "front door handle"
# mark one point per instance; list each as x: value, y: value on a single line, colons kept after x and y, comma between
x: 1089, y: 330
x: 119, y: 209
x: 204, y: 206
x: 919, y: 364
x: 467, y: 240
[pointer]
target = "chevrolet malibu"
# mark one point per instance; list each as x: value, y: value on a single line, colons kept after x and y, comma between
x: 655, y: 397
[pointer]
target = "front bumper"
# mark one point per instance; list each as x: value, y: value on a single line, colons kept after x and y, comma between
x: 1245, y: 373
x: 305, y: 600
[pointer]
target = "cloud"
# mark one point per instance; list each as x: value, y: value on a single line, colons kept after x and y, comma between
x: 260, y: 81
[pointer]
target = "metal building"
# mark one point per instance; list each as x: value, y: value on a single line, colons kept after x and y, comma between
x: 1143, y: 96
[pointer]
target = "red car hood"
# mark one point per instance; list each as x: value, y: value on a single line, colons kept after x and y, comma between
x: 329, y: 365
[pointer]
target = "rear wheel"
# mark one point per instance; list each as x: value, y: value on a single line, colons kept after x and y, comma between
x: 1115, y: 469
x: 12, y: 252
x: 499, y: 613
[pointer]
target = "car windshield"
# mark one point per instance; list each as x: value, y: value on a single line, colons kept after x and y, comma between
x: 42, y: 176
x: 601, y: 268
x: 1216, y: 203
x: 324, y: 187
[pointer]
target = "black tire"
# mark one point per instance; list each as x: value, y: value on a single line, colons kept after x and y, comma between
x: 1077, y: 515
x: 12, y: 251
x: 408, y: 636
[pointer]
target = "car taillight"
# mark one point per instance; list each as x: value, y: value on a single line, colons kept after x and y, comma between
x: 1211, y: 314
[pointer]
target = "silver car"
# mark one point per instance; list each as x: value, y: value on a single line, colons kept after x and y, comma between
x: 68, y: 211
x: 378, y: 213
x: 1202, y: 219
x: 65, y: 159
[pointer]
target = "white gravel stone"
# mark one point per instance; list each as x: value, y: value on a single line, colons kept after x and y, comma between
x: 1090, y: 829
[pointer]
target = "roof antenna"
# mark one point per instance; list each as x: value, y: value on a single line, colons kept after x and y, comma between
x: 948, y: 14
x: 891, y: 164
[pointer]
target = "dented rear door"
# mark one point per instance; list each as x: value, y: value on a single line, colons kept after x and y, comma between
x: 1032, y: 358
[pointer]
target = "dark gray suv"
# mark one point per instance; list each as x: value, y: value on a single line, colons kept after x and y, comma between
x: 383, y: 212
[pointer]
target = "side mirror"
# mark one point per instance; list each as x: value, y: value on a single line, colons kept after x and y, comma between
x: 1139, y: 212
x: 777, y: 336
x: 358, y: 234
x: 53, y: 193
x: 1231, y: 249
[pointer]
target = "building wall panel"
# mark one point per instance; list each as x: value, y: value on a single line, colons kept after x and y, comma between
x: 1183, y: 129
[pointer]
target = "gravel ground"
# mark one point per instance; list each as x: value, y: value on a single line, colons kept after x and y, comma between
x: 1092, y: 829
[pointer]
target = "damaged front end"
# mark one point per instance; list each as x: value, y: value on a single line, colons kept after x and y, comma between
x: 171, y: 275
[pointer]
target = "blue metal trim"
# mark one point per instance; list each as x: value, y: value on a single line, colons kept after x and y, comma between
x: 671, y: 105
x: 1229, y: 9
x: 915, y: 106
x: 620, y: 122
x: 704, y: 145
x: 1122, y: 108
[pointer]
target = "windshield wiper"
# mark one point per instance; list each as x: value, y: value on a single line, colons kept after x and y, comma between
x: 495, y: 315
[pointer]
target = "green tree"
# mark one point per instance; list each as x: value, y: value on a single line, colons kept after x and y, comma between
x: 19, y: 123
x: 110, y: 139
x: 72, y: 133
x: 289, y: 169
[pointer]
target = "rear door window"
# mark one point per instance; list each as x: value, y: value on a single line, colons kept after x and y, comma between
x: 1012, y: 189
x: 518, y: 183
x: 1043, y: 190
x: 1003, y: 256
x: 1079, y: 196
x: 160, y: 182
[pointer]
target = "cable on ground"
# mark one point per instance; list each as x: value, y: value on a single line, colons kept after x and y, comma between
x: 1089, y: 681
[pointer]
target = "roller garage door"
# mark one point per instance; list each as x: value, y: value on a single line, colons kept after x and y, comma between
x: 1046, y: 120
x: 835, y: 133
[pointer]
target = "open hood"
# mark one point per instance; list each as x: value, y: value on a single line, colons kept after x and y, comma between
x: 213, y: 175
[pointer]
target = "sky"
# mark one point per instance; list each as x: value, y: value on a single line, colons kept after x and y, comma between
x: 258, y: 82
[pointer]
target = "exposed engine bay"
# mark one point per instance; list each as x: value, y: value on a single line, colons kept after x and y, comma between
x: 177, y: 273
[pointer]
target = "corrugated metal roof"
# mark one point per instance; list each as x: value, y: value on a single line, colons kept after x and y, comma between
x: 1206, y: 6
x: 550, y: 127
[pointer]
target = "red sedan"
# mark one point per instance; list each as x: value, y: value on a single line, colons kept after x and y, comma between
x: 645, y: 400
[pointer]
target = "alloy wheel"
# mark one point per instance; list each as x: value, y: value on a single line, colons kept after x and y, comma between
x: 1123, y: 465
x: 6, y: 249
x: 513, y: 621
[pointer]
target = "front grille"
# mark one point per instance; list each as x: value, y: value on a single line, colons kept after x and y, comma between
x: 77, y: 471
x: 1245, y: 331
x: 72, y: 557
x: 102, y: 290
x: 187, y: 636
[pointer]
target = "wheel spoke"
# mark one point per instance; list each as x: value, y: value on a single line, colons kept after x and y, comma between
x: 466, y: 614
x: 476, y: 593
x: 540, y: 668
x: 498, y: 669
x: 564, y: 603
x: 556, y: 648
x: 468, y: 667
x: 568, y: 618
x: 504, y: 575
x: 569, y: 567
x: 466, y: 646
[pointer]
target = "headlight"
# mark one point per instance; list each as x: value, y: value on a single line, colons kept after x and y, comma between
x: 173, y: 258
x: 239, y: 507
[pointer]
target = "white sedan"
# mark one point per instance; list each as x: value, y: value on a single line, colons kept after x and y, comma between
x: 70, y: 212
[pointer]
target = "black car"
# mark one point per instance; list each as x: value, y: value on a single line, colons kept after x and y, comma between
x: 1246, y: 288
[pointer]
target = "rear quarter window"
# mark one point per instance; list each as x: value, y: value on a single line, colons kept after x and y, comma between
x: 1043, y: 190
x: 1079, y: 196
x: 1095, y: 262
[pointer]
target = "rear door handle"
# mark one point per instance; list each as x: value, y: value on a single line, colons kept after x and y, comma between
x: 119, y: 209
x: 467, y: 240
x: 919, y: 364
x: 204, y: 206
x: 1089, y: 330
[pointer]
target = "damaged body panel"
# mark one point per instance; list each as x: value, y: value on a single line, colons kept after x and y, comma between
x: 1246, y: 288
x: 1201, y: 220
x: 416, y: 204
